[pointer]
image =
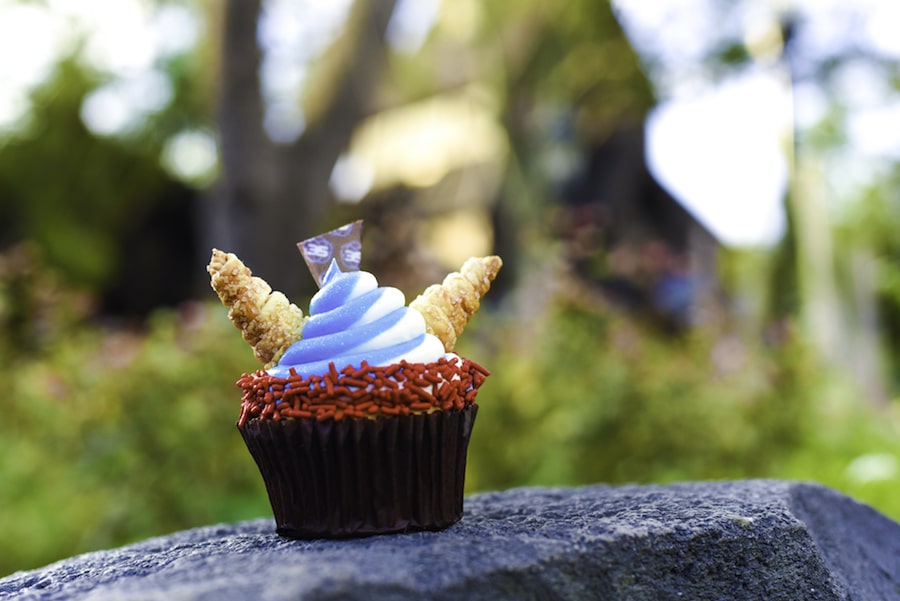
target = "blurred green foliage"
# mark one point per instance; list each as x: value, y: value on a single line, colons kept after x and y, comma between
x: 869, y: 226
x: 114, y: 435
x: 585, y: 395
x: 63, y: 200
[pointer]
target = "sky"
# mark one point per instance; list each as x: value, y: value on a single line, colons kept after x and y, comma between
x: 724, y: 155
x: 724, y: 146
x: 124, y: 40
x: 721, y: 145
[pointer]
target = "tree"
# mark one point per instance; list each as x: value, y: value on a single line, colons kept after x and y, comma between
x: 273, y: 195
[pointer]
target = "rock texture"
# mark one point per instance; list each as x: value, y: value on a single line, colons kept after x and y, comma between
x: 753, y: 539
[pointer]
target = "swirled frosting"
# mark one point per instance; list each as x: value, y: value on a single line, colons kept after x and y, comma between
x: 351, y: 320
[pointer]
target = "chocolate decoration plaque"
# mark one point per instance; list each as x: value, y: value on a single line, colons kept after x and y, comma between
x: 342, y: 245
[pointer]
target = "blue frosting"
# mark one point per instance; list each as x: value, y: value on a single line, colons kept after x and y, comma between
x: 353, y: 320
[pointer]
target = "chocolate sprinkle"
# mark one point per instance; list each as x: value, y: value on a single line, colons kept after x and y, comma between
x: 398, y: 389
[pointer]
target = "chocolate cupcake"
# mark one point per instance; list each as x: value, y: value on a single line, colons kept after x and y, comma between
x: 360, y: 421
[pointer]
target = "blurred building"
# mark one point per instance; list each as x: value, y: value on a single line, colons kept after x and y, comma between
x: 635, y: 241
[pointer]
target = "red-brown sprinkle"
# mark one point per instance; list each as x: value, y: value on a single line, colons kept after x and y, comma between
x: 397, y: 389
x: 421, y: 392
x: 432, y: 378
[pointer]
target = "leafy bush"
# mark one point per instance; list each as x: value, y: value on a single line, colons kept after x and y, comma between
x: 585, y: 396
x: 112, y: 435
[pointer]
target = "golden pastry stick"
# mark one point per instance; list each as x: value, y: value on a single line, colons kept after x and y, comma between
x: 448, y: 307
x: 268, y: 321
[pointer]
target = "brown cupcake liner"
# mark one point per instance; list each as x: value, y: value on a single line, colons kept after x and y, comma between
x: 357, y: 477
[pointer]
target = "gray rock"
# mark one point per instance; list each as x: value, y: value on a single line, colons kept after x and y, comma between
x: 753, y: 539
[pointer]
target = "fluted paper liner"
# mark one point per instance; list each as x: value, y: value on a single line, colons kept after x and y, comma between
x: 357, y: 477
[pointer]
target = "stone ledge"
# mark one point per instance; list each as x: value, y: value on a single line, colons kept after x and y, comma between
x: 752, y: 539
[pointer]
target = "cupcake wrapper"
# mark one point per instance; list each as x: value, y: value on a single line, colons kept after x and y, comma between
x: 357, y: 477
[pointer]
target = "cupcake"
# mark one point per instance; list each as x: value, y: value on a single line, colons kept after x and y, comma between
x: 359, y: 421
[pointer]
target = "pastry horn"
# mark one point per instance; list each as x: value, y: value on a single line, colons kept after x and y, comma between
x: 448, y: 307
x: 267, y: 320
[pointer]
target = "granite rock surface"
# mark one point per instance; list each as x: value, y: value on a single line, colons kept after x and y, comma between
x: 751, y: 539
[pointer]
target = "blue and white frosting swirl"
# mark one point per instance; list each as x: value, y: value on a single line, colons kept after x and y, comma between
x: 351, y: 320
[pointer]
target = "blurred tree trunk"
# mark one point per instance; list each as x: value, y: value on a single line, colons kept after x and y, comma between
x: 820, y: 310
x: 270, y: 195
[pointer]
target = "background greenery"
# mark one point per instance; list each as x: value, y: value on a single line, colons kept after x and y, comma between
x: 119, y: 366
x: 113, y: 435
